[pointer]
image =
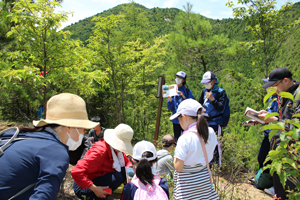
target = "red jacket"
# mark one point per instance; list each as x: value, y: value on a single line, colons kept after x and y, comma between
x: 98, y: 161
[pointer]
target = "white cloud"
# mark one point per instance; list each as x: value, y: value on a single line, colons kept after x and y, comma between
x: 170, y: 3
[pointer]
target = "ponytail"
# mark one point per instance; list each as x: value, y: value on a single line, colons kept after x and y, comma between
x: 202, y: 126
x: 143, y: 169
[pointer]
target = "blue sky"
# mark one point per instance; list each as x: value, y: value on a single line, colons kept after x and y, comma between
x: 215, y: 9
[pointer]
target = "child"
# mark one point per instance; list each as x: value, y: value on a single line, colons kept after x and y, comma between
x: 145, y: 184
x: 191, y: 178
x: 173, y: 102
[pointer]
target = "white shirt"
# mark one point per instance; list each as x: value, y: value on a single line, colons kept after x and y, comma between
x: 189, y: 147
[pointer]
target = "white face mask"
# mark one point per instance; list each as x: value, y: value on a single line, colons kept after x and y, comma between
x: 178, y: 81
x: 72, y: 144
x: 208, y: 85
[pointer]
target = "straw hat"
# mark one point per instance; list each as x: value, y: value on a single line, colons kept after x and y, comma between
x: 119, y: 138
x: 141, y: 147
x: 68, y: 110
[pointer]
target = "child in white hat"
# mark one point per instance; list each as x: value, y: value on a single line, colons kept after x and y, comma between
x: 193, y: 152
x: 145, y: 184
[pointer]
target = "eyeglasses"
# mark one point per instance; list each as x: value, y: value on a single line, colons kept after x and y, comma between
x: 277, y: 83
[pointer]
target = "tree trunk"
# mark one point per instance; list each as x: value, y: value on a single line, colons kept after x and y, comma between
x: 203, y: 64
x: 45, y: 70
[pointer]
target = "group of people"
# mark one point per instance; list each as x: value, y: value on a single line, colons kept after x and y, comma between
x: 34, y: 164
x: 214, y: 101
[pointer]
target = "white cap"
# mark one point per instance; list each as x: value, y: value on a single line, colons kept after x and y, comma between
x: 188, y: 107
x: 181, y: 74
x: 141, y: 147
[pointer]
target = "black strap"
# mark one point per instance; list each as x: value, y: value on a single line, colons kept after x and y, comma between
x: 187, y: 92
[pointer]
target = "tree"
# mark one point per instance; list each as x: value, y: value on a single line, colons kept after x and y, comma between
x: 267, y: 26
x: 5, y: 23
x: 46, y: 62
x: 285, y: 158
x: 122, y: 61
x: 196, y: 47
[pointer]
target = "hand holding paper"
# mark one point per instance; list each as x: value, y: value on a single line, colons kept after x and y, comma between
x: 170, y: 90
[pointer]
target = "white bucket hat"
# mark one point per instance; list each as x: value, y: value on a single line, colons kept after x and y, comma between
x: 188, y: 107
x: 141, y: 147
x: 68, y: 110
x: 120, y: 138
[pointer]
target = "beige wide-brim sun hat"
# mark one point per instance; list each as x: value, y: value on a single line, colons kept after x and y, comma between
x: 68, y: 110
x: 120, y: 138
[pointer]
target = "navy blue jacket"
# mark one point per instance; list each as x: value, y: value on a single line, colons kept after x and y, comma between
x: 43, y: 160
x: 214, y: 108
x: 176, y: 100
x: 130, y: 189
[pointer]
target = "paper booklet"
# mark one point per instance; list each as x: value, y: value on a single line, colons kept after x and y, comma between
x: 170, y: 90
x: 250, y: 123
x: 253, y: 114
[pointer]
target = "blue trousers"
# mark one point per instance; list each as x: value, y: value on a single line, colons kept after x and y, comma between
x: 113, y: 180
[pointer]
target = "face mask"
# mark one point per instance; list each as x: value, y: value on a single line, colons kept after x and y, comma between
x: 178, y: 80
x: 72, y: 144
x: 208, y: 85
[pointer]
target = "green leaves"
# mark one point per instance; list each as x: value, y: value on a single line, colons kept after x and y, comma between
x: 285, y: 157
x: 264, y: 22
x: 278, y: 126
x: 271, y: 115
x: 296, y: 115
x: 286, y: 95
x: 271, y: 91
x: 194, y: 45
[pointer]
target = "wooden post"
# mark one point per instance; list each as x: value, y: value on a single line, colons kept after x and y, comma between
x: 161, y: 81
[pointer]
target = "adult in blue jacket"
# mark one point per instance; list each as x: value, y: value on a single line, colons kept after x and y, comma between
x: 213, y: 99
x: 37, y: 162
x: 173, y: 102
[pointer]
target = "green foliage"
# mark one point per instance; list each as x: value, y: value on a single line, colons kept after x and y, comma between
x: 285, y: 158
x: 131, y: 69
x: 195, y: 46
x: 265, y: 23
x: 114, y: 60
x: 5, y: 22
x: 43, y: 49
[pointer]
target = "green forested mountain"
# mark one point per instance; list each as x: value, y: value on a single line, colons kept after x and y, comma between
x: 161, y: 21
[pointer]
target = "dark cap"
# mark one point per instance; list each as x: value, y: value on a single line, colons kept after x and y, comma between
x: 168, y: 140
x: 277, y: 74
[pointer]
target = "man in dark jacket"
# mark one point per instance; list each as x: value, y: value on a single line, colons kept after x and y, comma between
x: 281, y: 78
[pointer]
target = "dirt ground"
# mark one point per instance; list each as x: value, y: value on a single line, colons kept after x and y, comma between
x: 241, y: 190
